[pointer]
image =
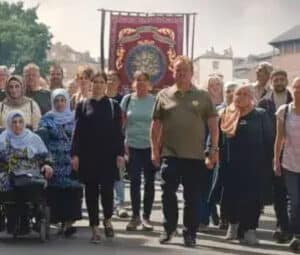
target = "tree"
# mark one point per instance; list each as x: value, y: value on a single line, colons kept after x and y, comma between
x: 22, y: 38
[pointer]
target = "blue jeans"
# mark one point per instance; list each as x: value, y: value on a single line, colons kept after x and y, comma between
x: 204, y: 207
x: 140, y: 161
x: 119, y: 193
x: 293, y: 187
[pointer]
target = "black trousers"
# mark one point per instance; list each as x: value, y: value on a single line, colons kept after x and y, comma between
x: 244, y: 212
x: 281, y: 202
x: 92, y: 192
x: 189, y: 173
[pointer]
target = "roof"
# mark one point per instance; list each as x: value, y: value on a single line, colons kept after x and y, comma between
x: 290, y: 35
x: 212, y: 56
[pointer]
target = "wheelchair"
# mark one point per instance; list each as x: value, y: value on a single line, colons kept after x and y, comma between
x: 25, y: 210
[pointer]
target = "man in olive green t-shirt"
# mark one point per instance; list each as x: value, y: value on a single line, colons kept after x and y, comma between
x: 180, y: 115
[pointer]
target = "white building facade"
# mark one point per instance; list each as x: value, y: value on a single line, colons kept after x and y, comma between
x: 213, y: 63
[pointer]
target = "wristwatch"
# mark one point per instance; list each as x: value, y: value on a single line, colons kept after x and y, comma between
x: 214, y: 149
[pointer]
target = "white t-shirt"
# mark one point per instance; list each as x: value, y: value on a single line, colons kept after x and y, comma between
x: 291, y: 151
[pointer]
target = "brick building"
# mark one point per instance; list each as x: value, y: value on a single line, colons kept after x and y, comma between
x: 288, y: 45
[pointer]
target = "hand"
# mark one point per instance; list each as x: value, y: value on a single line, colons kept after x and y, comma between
x: 120, y: 162
x: 47, y: 171
x: 75, y: 163
x: 277, y: 167
x: 155, y: 157
x: 214, y: 157
x: 209, y: 164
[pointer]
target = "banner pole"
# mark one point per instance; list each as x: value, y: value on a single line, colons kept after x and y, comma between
x: 187, y: 33
x: 102, y: 31
x: 193, y: 36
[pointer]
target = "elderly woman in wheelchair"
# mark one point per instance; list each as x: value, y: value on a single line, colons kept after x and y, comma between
x: 25, y: 167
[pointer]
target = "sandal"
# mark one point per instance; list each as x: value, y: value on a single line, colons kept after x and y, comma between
x: 96, y: 237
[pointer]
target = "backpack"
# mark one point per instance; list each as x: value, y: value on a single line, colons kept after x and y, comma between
x: 111, y: 102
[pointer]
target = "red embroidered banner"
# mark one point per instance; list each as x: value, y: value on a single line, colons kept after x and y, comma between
x: 147, y: 44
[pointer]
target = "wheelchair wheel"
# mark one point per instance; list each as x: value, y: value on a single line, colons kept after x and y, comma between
x: 16, y: 229
x: 43, y: 230
x: 47, y: 218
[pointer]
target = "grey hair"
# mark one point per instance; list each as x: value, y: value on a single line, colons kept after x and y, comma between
x: 249, y: 87
x: 231, y: 85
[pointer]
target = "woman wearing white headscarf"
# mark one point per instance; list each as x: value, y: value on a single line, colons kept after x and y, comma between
x: 64, y: 191
x: 16, y: 100
x: 21, y: 151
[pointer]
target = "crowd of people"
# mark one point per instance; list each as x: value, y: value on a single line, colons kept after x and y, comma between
x: 231, y: 145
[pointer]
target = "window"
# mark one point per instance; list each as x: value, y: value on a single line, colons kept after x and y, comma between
x: 215, y: 65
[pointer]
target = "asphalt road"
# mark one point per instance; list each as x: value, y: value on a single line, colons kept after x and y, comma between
x: 140, y: 242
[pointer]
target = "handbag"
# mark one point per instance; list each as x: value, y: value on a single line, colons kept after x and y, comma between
x: 21, y: 179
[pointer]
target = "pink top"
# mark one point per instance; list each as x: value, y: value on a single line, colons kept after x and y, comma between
x: 291, y: 151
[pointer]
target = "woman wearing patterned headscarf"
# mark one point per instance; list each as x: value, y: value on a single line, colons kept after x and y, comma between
x: 64, y: 191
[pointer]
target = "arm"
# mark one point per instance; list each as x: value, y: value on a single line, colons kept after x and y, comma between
x: 75, y: 137
x: 75, y: 146
x: 212, y: 124
x: 279, y: 140
x: 119, y: 138
x: 155, y: 140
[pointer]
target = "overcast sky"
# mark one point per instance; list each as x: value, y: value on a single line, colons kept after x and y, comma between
x: 247, y: 26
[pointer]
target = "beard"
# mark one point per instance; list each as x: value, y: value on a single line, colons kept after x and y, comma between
x: 279, y: 89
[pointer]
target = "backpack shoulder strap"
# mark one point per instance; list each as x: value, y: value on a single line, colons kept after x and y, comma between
x: 112, y: 108
x: 31, y: 106
x: 127, y: 103
x: 285, y: 114
x: 1, y: 114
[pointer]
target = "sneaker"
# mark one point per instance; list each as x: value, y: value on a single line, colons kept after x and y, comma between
x: 294, y: 245
x: 203, y: 228
x: 133, y: 224
x: 232, y: 232
x: 250, y: 237
x: 108, y: 228
x: 189, y: 239
x: 96, y: 237
x: 68, y: 232
x: 166, y: 238
x: 122, y: 212
x: 147, y: 225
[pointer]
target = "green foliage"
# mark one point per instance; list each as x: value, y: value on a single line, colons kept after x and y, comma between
x: 22, y: 38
